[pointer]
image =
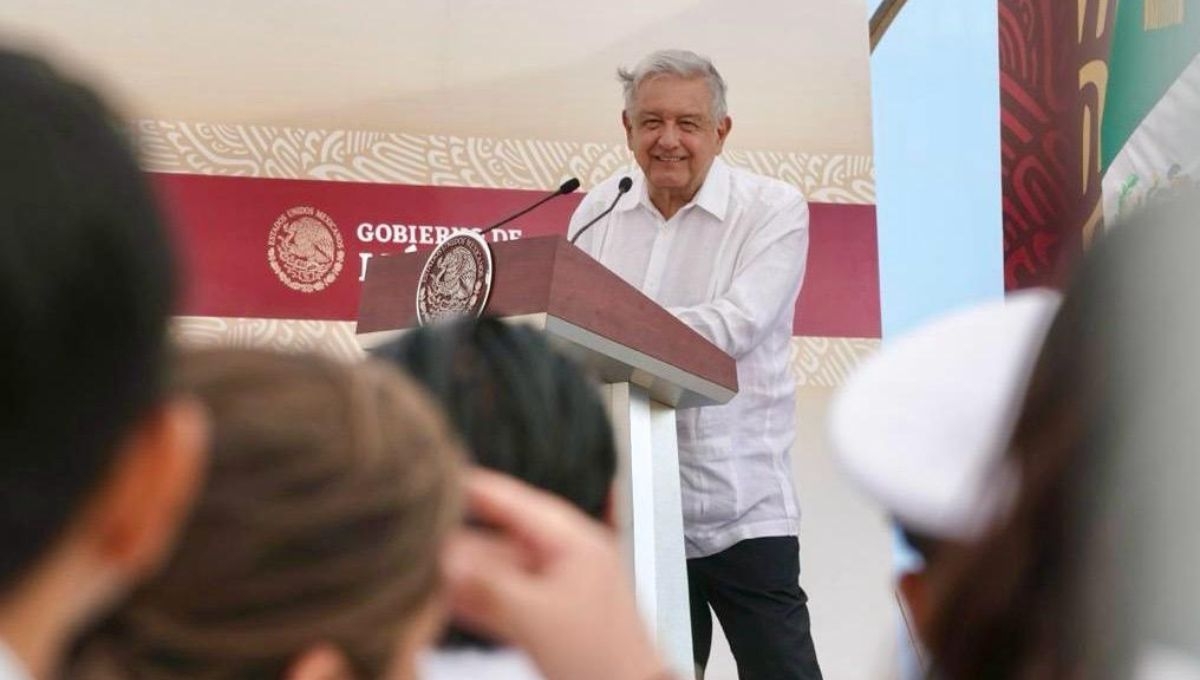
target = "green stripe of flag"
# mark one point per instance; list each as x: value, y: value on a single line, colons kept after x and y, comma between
x: 1145, y: 62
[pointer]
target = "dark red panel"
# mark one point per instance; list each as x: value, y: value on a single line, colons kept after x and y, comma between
x: 840, y: 297
x: 1050, y: 133
x: 224, y: 224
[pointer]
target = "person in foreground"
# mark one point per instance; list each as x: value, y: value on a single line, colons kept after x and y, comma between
x: 313, y: 549
x: 522, y: 408
x: 98, y: 462
x: 324, y: 545
x: 922, y: 426
x: 724, y: 250
x: 1092, y: 572
x: 545, y: 577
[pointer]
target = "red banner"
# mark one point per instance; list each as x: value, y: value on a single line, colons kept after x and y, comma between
x: 1053, y: 76
x: 298, y: 249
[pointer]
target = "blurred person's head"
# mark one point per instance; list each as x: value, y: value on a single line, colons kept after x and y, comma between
x: 313, y: 550
x: 96, y: 464
x: 1104, y: 444
x: 520, y: 406
x: 922, y: 424
x: 1148, y: 543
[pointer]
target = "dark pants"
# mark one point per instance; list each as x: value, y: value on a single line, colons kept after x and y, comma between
x: 754, y: 587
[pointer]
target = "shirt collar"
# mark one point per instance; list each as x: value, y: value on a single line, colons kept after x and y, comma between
x: 713, y: 196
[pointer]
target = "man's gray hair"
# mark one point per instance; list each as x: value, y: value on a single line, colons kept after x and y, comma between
x: 681, y: 63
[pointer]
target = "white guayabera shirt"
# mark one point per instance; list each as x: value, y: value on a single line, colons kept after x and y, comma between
x: 729, y: 264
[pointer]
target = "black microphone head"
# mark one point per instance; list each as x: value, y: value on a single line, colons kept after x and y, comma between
x: 569, y: 186
x: 624, y: 185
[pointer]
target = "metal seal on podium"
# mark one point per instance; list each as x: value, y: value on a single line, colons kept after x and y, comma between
x: 456, y: 280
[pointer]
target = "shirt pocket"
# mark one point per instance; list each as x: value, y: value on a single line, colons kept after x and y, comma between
x: 707, y: 468
x: 709, y: 491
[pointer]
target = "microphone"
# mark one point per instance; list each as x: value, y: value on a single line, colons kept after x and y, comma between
x: 566, y: 188
x: 622, y: 188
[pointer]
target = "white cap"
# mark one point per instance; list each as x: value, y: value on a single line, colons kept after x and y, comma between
x: 922, y: 426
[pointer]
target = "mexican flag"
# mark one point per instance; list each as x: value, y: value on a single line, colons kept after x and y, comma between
x: 1151, y: 131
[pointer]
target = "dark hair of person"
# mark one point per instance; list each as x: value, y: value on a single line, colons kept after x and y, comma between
x: 928, y: 547
x: 1022, y: 602
x: 85, y: 289
x: 522, y: 407
x: 332, y: 489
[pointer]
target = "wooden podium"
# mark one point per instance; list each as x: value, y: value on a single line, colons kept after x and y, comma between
x: 650, y: 364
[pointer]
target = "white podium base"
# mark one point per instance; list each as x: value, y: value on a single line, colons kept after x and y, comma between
x: 650, y: 517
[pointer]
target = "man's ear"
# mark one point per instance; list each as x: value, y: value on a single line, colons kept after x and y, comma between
x: 319, y: 662
x: 150, y: 489
x: 627, y: 123
x: 723, y: 129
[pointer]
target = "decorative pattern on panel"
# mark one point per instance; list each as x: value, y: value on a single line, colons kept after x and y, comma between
x: 823, y: 178
x: 332, y: 338
x: 827, y: 362
x: 440, y: 160
x: 1053, y: 80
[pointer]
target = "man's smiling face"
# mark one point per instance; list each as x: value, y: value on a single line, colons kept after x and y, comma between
x: 673, y: 136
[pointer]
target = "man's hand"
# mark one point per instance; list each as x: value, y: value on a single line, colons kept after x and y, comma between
x: 549, y: 580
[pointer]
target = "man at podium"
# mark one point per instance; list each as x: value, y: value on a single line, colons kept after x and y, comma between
x: 724, y: 250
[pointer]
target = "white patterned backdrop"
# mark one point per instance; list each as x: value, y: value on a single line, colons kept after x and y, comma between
x: 440, y: 160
